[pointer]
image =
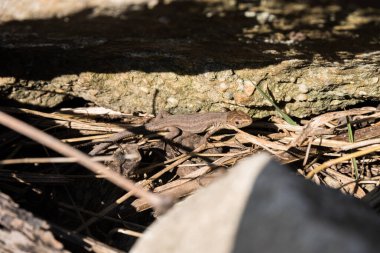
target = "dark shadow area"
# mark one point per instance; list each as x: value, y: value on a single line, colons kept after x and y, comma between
x: 66, y: 194
x: 180, y: 37
x: 58, y: 192
x: 177, y: 37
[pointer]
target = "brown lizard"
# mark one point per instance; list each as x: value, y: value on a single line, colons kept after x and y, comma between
x: 196, y: 123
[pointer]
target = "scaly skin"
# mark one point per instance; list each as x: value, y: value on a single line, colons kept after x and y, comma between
x: 238, y: 119
x: 187, y: 123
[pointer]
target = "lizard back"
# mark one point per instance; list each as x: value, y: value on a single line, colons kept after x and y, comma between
x: 193, y: 123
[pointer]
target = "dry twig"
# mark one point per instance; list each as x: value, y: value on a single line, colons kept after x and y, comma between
x: 51, y: 142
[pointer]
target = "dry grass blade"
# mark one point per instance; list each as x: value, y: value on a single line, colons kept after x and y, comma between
x: 143, y: 183
x: 341, y: 159
x: 267, y: 145
x: 195, y: 174
x: 360, y: 144
x: 183, y: 189
x: 69, y: 121
x: 191, y: 182
x: 129, y: 232
x: 38, y: 160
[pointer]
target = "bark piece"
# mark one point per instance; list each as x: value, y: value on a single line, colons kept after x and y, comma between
x: 22, y: 232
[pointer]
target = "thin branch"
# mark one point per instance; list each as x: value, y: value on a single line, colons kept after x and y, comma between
x: 49, y: 141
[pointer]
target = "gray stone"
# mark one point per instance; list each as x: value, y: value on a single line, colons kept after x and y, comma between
x: 260, y: 206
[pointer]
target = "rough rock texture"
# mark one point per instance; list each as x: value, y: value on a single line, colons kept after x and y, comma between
x: 21, y: 232
x: 11, y: 10
x: 187, y: 56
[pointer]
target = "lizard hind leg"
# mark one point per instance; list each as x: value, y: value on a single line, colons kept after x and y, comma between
x: 188, y: 141
x: 161, y: 115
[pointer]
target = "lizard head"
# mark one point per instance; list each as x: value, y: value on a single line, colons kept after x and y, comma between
x: 238, y: 119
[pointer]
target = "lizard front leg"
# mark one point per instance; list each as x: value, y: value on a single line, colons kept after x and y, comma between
x: 210, y: 132
x: 172, y: 132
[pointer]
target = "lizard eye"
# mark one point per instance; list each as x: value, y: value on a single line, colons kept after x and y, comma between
x: 237, y: 122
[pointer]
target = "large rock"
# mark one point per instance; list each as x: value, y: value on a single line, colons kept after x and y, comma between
x: 187, y: 56
x: 19, y: 10
x: 260, y: 206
